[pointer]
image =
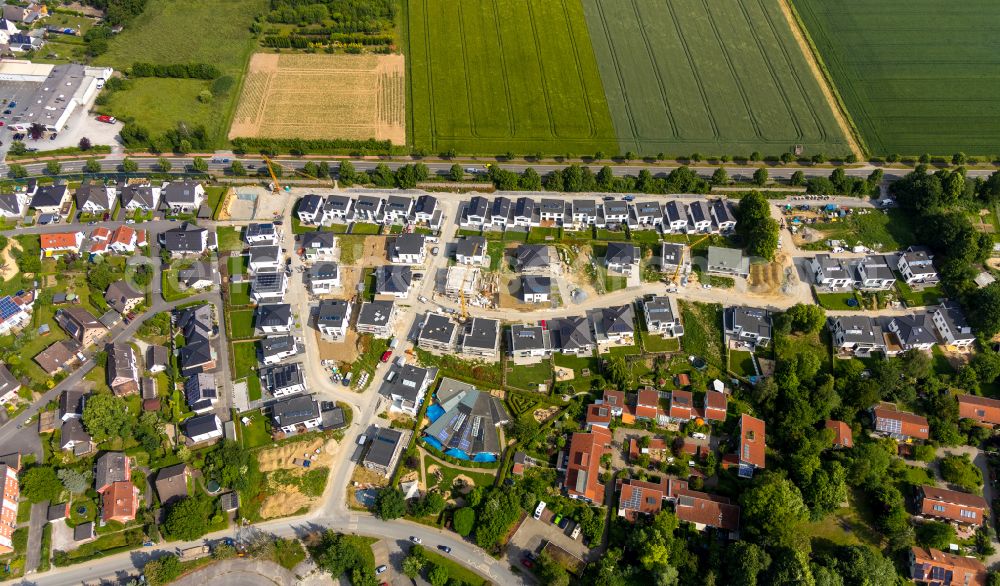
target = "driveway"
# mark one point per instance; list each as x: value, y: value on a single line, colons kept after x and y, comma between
x: 39, y: 512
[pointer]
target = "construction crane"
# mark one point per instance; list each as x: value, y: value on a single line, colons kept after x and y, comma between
x: 461, y: 298
x: 275, y: 185
x: 270, y: 167
x: 680, y: 261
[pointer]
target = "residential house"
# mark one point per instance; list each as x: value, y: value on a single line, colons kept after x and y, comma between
x: 471, y: 250
x: 13, y: 205
x: 274, y: 318
x: 501, y: 213
x: 425, y: 209
x: 337, y: 208
x: 398, y: 209
x: 383, y: 450
x: 873, y: 272
x: 437, y: 333
x: 283, y: 380
x: 533, y: 258
x: 572, y: 335
x: 201, y: 392
x: 49, y: 199
x: 983, y: 410
x: 319, y: 246
x: 120, y: 502
x: 172, y: 483
x: 265, y: 258
x: 10, y: 494
x: 26, y: 13
x: 274, y: 349
x: 122, y: 298
x: 705, y: 510
x: 203, y: 428
x: 196, y: 356
x: 475, y: 213
x: 59, y: 243
x: 552, y: 210
x: 699, y: 217
x: 648, y: 214
x: 640, y: 498
x: 727, y: 261
x: 722, y: 214
x: 332, y: 318
x: 122, y: 369
x: 183, y: 197
x: 829, y: 272
x: 268, y: 286
x: 262, y: 234
x: 376, y: 318
x: 310, y: 209
x: 675, y: 217
x: 8, y: 385
x: 917, y: 267
x: 81, y: 325
x: 187, y: 239
x: 407, y: 387
x: 900, y: 425
x: 200, y: 275
x: 470, y: 420
x: 157, y: 358
x: 716, y: 405
x: 92, y: 197
x: 139, y: 196
x: 195, y: 322
x: 857, y: 335
x: 672, y: 257
x: 749, y: 325
x: 58, y: 356
x: 481, y: 339
x: 752, y: 445
x: 408, y: 249
x: 843, y: 436
x: 614, y: 400
x: 74, y: 438
x: 661, y: 316
x: 369, y: 208
x: 613, y: 325
x: 622, y: 258
x: 952, y: 326
x: 952, y: 506
x: 681, y: 406
x: 598, y: 415
x: 583, y: 465
x: 526, y: 212
x: 393, y: 280
x: 109, y: 468
x: 911, y: 332
x: 615, y: 213
x: 529, y: 342
x: 647, y: 405
x: 584, y: 212
x: 324, y: 278
x: 535, y: 289
x: 15, y: 311
x: 121, y: 240
x: 932, y: 567
x: 71, y: 404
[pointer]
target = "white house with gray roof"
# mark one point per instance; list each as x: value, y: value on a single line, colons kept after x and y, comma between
x: 324, y: 278
x: 333, y: 316
x: 406, y: 386
x: 310, y: 209
x: 675, y: 217
x: 319, y: 246
x: 622, y: 258
x: 408, y: 249
x: 727, y: 261
x: 829, y: 272
x: 529, y: 343
x: 572, y: 335
x: 699, y: 217
x: 437, y: 333
x: 749, y: 325
x: 183, y: 197
x: 481, y: 339
x: 265, y: 258
x: 535, y: 288
x: 471, y: 250
x: 613, y: 325
x: 393, y: 280
x: 916, y: 266
x: 139, y: 196
x: 952, y: 326
x: 662, y: 317
x: 857, y: 335
x: 262, y: 234
x: 722, y: 215
x: 874, y: 272
x: 377, y: 318
x: 911, y: 332
x: 274, y: 318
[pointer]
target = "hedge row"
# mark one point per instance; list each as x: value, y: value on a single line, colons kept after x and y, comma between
x: 301, y: 146
x: 178, y: 70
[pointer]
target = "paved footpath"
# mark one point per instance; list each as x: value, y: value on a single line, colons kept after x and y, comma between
x: 239, y: 572
x: 39, y: 513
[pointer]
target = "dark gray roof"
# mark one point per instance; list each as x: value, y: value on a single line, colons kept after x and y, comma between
x: 584, y: 206
x: 119, y: 294
x: 56, y: 512
x: 533, y: 256
x: 260, y: 229
x: 273, y: 314
x: 337, y: 203
x: 324, y: 270
x: 7, y: 381
x: 333, y: 418
x: 674, y: 211
x: 268, y: 282
x: 523, y: 337
x: 383, y: 446
x: 877, y: 267
x: 368, y: 204
x: 49, y: 195
x: 317, y: 240
x: 723, y: 213
x: 699, y: 211
x: 426, y: 204
x: 171, y: 483
x: 501, y: 208
x: 859, y: 329
x: 955, y: 318
x: 295, y: 410
x: 200, y: 389
x: 408, y: 382
x: 198, y: 271
x: 648, y: 209
x: 274, y: 345
x: 483, y: 333
x: 185, y: 238
x: 72, y: 401
x: 281, y: 376
x: 140, y: 194
x: 659, y: 308
x: 531, y: 284
x: 375, y: 313
x: 393, y: 279
x: 408, y: 244
x: 552, y: 206
x: 179, y: 192
x: 671, y: 253
x: 615, y: 207
x: 619, y: 319
x: 201, y: 425
x: 310, y: 204
x: 9, y: 203
x: 749, y: 319
x: 195, y: 353
x: 95, y: 192
x: 571, y: 333
x: 438, y: 328
x: 195, y: 321
x: 83, y: 531
x: 156, y: 356
x: 914, y: 330
x: 268, y: 253
x: 470, y: 246
x: 120, y: 358
x: 111, y: 467
x: 398, y: 204
x: 72, y: 431
x: 332, y: 312
x: 525, y: 207
x: 477, y: 206
x: 621, y: 253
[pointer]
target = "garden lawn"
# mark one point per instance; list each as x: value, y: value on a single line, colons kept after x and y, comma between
x: 241, y: 323
x: 228, y: 236
x: 923, y: 298
x: 255, y: 433
x: 578, y: 363
x: 365, y: 228
x: 655, y: 343
x: 702, y: 331
x: 456, y: 571
x: 529, y: 376
x: 838, y: 301
x: 885, y: 231
x: 239, y: 294
x: 237, y: 265
x: 741, y: 363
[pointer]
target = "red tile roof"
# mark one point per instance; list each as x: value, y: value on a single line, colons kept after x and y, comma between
x: 752, y: 441
x: 965, y: 571
x: 842, y: 435
x: 639, y: 497
x: 981, y: 409
x: 909, y: 424
x: 960, y: 507
x: 100, y: 233
x: 655, y: 444
x: 614, y: 398
x: 598, y: 415
x: 583, y: 467
x: 120, y: 501
x: 681, y: 405
x: 647, y: 404
x: 707, y: 509
x: 715, y: 406
x: 60, y: 240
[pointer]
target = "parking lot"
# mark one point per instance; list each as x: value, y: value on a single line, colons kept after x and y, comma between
x: 532, y: 534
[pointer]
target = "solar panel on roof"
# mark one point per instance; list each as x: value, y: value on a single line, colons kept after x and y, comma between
x: 8, y: 308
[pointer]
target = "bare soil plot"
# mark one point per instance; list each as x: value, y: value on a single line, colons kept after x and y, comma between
x: 323, y: 96
x: 284, y: 499
x: 8, y: 266
x: 344, y: 351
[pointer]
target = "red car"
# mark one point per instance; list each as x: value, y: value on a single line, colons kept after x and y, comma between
x: 386, y: 356
x: 527, y: 563
x: 107, y: 119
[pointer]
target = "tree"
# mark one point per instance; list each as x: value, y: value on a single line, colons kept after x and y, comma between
x: 754, y: 223
x: 85, y: 144
x: 234, y: 466
x: 129, y: 166
x: 806, y: 318
x: 861, y: 565
x: 549, y: 571
x: 463, y: 521
x: 162, y: 570
x: 53, y: 167
x: 390, y: 504
x: 236, y: 168
x: 756, y: 156
x: 413, y: 564
x: 720, y: 176
x: 935, y: 534
x: 75, y: 481
x: 760, y: 176
x: 958, y: 159
x: 960, y: 471
x: 19, y: 148
x: 773, y: 510
x: 346, y: 173
x: 106, y: 416
x: 92, y: 166
x: 164, y: 165
x: 438, y: 575
x: 457, y: 173
x: 986, y: 318
x: 39, y: 484
x: 620, y: 373
x: 187, y: 519
x: 749, y: 561
x: 798, y: 178
x: 199, y: 164
x: 17, y: 171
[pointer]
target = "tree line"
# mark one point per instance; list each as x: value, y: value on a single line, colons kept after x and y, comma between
x: 176, y: 70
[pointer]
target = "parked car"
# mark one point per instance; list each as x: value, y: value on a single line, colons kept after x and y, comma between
x: 107, y: 119
x: 527, y: 563
x: 444, y: 548
x: 381, y: 569
x: 416, y: 539
x: 386, y: 356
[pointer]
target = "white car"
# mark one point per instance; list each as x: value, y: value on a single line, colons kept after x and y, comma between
x: 422, y: 299
x: 416, y: 539
x: 706, y: 286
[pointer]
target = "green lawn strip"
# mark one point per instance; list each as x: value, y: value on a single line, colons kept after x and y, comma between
x: 624, y: 351
x: 838, y: 301
x: 474, y: 371
x: 241, y: 324
x: 245, y: 360
x: 741, y: 363
x: 238, y: 265
x: 229, y: 239
x: 169, y: 288
x: 580, y: 381
x: 495, y: 250
x: 365, y: 228
x: 255, y: 433
x: 702, y: 331
x: 913, y: 298
x: 239, y: 294
x: 529, y: 376
x: 367, y: 360
x: 456, y: 571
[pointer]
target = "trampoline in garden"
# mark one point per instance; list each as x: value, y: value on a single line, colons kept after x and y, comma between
x: 212, y: 486
x: 852, y: 302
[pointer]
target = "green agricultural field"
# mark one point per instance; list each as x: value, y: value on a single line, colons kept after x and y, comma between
x: 184, y: 31
x: 689, y: 76
x: 914, y: 78
x: 492, y: 76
